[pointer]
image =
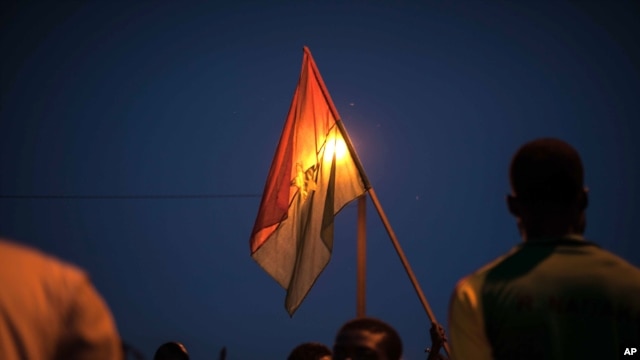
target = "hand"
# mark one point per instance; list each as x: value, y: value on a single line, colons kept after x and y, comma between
x: 437, y: 342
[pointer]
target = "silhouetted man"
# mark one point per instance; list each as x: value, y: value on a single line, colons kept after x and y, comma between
x: 556, y: 295
x: 367, y: 338
x: 310, y: 351
x: 50, y: 310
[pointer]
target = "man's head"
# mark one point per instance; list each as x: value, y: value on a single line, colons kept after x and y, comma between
x: 310, y: 351
x: 171, y: 351
x: 367, y: 339
x: 547, y: 183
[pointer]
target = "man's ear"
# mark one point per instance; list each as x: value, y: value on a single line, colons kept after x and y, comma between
x: 584, y: 198
x: 514, y: 205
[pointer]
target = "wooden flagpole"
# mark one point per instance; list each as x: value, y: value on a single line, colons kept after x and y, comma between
x: 362, y: 257
x: 405, y: 262
x: 374, y: 198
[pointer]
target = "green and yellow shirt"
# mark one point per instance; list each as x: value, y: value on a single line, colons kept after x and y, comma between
x: 547, y: 299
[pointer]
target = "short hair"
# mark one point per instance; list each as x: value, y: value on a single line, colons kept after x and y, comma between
x: 546, y: 171
x: 309, y: 351
x: 171, y: 351
x: 391, y: 341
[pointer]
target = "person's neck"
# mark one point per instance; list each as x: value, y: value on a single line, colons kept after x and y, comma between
x: 549, y: 233
x: 551, y: 227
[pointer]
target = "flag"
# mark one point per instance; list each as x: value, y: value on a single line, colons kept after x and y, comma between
x: 312, y: 177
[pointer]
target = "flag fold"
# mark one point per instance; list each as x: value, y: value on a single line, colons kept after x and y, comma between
x: 312, y: 177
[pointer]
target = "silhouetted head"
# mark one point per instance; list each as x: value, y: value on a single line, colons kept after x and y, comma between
x: 548, y: 195
x: 310, y: 351
x: 171, y: 351
x: 367, y: 338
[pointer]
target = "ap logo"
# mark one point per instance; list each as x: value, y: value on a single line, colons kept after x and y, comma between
x: 630, y: 351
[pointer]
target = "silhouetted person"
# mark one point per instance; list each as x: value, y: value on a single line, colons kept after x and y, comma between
x: 50, y: 310
x: 171, y: 351
x: 367, y: 338
x: 556, y: 295
x: 310, y: 351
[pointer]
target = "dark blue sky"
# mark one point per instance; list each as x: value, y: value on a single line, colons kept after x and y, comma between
x: 168, y: 97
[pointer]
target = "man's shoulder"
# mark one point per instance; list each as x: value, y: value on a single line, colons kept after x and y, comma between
x: 479, y: 274
x: 618, y: 267
x: 35, y: 259
x: 469, y: 288
x: 616, y: 259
